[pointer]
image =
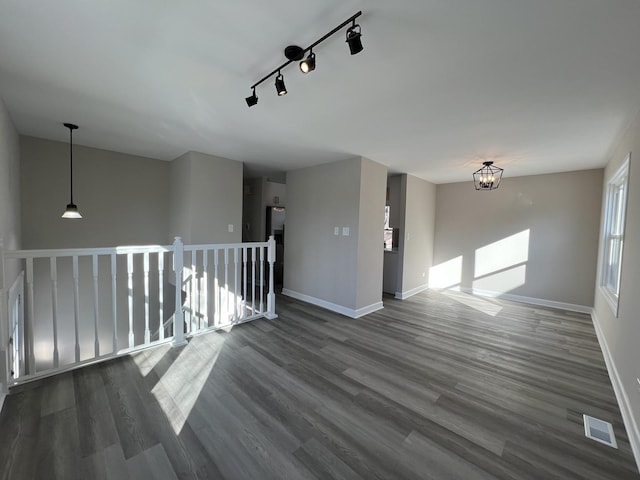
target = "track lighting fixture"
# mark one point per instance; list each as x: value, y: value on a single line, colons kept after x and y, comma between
x: 488, y: 177
x: 354, y: 38
x: 294, y: 53
x: 280, y: 88
x: 308, y: 64
x: 72, y: 210
x: 252, y: 99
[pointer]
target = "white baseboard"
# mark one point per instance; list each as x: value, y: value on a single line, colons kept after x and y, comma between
x: 349, y: 312
x: 531, y: 300
x: 412, y: 292
x: 621, y: 395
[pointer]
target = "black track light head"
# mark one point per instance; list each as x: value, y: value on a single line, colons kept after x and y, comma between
x: 354, y: 38
x: 308, y: 64
x: 280, y: 88
x: 252, y: 99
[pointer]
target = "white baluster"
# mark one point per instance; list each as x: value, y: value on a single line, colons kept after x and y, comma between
x: 54, y: 307
x: 253, y: 281
x: 261, y: 279
x: 216, y: 290
x: 178, y: 319
x: 205, y: 286
x: 161, y: 294
x: 30, y: 320
x: 236, y: 275
x: 76, y: 305
x: 226, y: 285
x: 271, y: 297
x: 130, y: 296
x: 193, y: 324
x: 114, y: 300
x: 187, y: 310
x: 96, y: 311
x: 147, y: 332
x: 244, y: 282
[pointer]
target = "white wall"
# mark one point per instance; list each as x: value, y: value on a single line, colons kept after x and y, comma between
x: 9, y: 220
x: 534, y: 237
x: 619, y: 336
x: 123, y: 198
x: 340, y: 272
x: 417, y: 223
x: 207, y: 194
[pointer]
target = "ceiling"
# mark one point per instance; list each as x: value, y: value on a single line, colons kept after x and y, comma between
x: 442, y: 85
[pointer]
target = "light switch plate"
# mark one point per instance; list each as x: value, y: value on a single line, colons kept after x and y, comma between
x: 336, y: 231
x: 345, y: 231
x: 231, y: 228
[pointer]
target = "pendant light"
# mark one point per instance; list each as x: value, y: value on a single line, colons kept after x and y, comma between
x: 488, y: 177
x: 72, y: 210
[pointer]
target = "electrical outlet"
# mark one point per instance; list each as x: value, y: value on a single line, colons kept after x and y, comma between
x: 230, y: 228
x: 345, y: 231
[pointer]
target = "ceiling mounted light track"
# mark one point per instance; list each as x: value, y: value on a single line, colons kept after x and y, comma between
x: 488, y: 177
x: 294, y: 53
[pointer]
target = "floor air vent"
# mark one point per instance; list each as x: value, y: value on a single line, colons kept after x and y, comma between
x: 599, y: 430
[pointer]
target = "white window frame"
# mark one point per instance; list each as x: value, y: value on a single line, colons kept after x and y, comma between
x: 617, y: 195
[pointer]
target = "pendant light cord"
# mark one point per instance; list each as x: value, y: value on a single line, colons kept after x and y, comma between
x: 71, y: 162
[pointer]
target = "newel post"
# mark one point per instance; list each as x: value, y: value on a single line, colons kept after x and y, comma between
x: 271, y: 296
x: 178, y: 319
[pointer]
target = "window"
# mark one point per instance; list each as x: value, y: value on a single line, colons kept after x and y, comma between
x: 613, y: 235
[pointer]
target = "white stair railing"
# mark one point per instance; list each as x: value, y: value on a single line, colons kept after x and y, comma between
x: 88, y: 305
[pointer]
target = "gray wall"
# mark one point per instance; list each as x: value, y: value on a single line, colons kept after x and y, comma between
x: 10, y: 228
x: 396, y: 214
x: 373, y: 182
x: 9, y: 217
x: 344, y: 271
x: 180, y: 198
x: 540, y: 234
x: 417, y: 223
x: 206, y: 197
x: 123, y: 198
x: 259, y: 194
x: 619, y: 336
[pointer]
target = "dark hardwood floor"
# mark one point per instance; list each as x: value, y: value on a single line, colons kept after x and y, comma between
x: 439, y: 386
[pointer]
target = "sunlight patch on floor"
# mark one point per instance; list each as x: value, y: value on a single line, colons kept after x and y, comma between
x: 179, y: 388
x: 478, y: 303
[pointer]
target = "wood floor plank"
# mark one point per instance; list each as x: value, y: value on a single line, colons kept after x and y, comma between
x: 442, y: 385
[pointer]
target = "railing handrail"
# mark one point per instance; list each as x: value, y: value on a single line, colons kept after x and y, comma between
x: 124, y: 250
x: 82, y: 252
x: 221, y: 246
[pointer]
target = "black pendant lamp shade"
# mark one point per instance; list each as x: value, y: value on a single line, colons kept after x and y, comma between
x: 488, y: 177
x: 72, y: 209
